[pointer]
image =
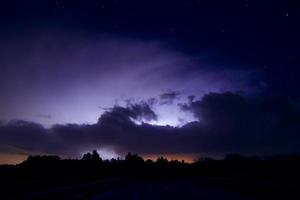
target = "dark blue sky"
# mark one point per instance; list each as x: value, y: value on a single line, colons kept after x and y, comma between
x: 69, y: 61
x: 258, y: 35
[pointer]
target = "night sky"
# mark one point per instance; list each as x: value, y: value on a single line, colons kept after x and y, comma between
x: 183, y: 79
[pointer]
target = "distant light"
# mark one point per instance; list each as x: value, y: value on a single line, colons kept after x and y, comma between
x: 107, y: 153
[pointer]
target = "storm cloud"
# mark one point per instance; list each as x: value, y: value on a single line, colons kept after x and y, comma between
x: 227, y: 122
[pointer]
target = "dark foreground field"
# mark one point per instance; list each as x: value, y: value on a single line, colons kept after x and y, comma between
x: 131, y: 188
x: 179, y: 189
x: 176, y: 189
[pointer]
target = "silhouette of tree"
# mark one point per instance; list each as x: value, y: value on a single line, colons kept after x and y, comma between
x: 87, y: 157
x: 42, y: 159
x: 95, y: 156
x: 149, y: 162
x: 134, y: 159
x: 162, y: 161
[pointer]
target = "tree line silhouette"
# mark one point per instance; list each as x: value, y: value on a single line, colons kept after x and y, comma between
x: 91, y: 164
x: 40, y: 172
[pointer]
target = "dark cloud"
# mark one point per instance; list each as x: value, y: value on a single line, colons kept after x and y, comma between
x: 168, y: 97
x: 141, y: 111
x: 152, y: 101
x: 228, y: 122
x: 191, y: 98
x: 215, y: 107
x: 238, y: 123
x: 23, y: 135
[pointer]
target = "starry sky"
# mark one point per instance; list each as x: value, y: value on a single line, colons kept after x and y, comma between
x: 178, y: 78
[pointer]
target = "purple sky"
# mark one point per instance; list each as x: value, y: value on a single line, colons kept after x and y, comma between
x: 54, y: 77
x: 151, y: 77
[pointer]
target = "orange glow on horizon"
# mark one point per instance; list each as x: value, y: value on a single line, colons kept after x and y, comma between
x: 7, y: 158
x: 188, y: 158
